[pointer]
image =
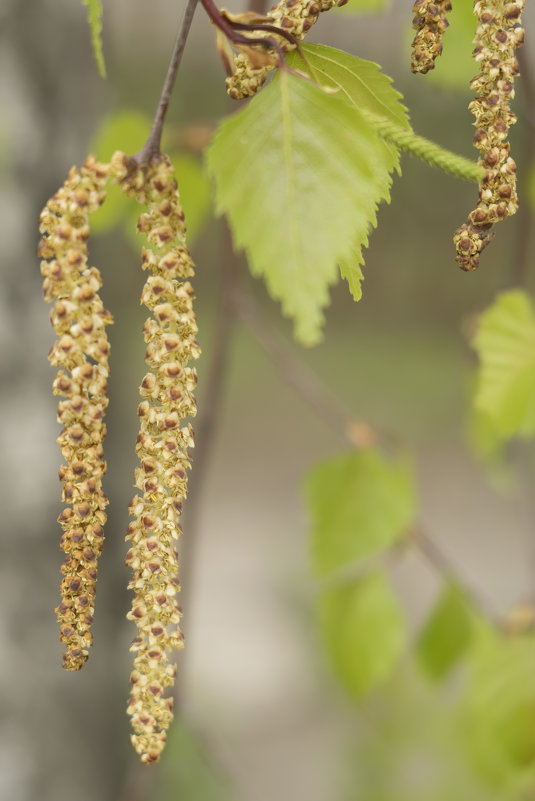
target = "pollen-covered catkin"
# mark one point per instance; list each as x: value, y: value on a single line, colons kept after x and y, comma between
x: 430, y: 22
x: 499, y: 33
x: 293, y: 16
x: 81, y: 353
x: 162, y: 446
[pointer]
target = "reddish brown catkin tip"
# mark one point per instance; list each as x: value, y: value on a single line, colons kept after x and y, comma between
x: 499, y: 33
x: 295, y: 17
x: 81, y: 352
x: 430, y: 22
x: 162, y: 447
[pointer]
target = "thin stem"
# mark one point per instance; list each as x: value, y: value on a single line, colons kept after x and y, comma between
x: 314, y: 392
x: 443, y: 565
x: 306, y: 383
x: 152, y: 145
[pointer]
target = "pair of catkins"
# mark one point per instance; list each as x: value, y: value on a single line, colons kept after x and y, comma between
x: 81, y: 354
x: 499, y: 32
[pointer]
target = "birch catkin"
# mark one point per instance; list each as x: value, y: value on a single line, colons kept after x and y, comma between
x: 162, y: 447
x: 498, y: 34
x: 430, y: 22
x: 81, y: 352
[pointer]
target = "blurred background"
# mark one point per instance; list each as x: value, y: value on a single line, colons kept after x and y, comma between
x: 260, y: 714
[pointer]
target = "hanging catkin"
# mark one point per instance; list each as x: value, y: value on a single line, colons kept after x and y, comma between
x: 430, y: 22
x: 81, y: 352
x: 162, y: 446
x: 499, y: 33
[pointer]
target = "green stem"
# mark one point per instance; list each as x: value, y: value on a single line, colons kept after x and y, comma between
x: 425, y: 150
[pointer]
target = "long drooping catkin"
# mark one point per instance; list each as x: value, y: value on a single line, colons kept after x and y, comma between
x: 162, y: 447
x: 498, y: 34
x: 296, y: 17
x: 81, y: 352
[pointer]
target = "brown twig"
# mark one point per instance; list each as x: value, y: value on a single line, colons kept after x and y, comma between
x: 439, y: 560
x: 152, y: 145
x: 229, y: 29
x: 319, y: 396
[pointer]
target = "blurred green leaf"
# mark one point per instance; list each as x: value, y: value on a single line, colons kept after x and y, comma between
x: 195, y: 191
x: 299, y: 174
x: 455, y: 68
x: 127, y: 131
x: 363, y: 7
x: 505, y: 344
x: 363, y: 630
x: 94, y: 17
x: 500, y: 711
x: 360, y: 504
x: 447, y: 634
x: 185, y: 770
x: 410, y: 746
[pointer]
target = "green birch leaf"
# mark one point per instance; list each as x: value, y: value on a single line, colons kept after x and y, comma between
x: 350, y: 269
x: 500, y: 710
x: 447, y: 634
x: 360, y: 504
x: 359, y: 83
x: 94, y: 17
x: 363, y: 631
x: 299, y: 174
x: 505, y: 344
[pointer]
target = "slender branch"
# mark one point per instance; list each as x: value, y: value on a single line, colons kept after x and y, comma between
x: 448, y: 570
x: 314, y: 392
x: 306, y: 383
x: 152, y: 145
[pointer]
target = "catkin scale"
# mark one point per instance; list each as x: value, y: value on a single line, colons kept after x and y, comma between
x: 162, y: 447
x: 81, y: 353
